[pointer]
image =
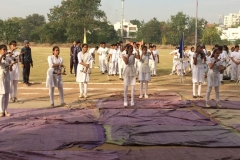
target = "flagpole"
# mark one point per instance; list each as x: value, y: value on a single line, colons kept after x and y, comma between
x: 196, y: 23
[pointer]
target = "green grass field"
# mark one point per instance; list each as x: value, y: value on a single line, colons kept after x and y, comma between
x: 40, y: 54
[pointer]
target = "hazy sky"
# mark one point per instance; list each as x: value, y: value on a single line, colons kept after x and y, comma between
x: 134, y: 9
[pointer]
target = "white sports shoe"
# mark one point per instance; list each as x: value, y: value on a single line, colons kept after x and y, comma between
x: 146, y: 96
x: 140, y: 96
x: 207, y: 105
x: 125, y: 104
x: 132, y: 103
x: 81, y: 95
x: 85, y: 95
x: 219, y: 104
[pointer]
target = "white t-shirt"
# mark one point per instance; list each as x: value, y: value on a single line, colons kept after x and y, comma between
x: 155, y: 53
x: 92, y: 50
x: 103, y: 52
x: 115, y: 55
x: 235, y: 55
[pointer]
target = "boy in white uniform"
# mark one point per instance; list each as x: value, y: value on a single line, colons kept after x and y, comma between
x: 175, y: 54
x: 114, y: 59
x: 103, y: 53
x: 235, y: 70
x: 151, y: 60
x: 99, y: 56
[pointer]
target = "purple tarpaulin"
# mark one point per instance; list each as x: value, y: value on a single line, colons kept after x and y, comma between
x: 57, y: 114
x: 170, y: 135
x: 45, y: 135
x: 225, y: 104
x: 59, y: 155
x: 153, y: 116
x: 181, y: 154
x: 236, y: 126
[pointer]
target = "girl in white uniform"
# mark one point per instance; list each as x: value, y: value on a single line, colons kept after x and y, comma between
x: 198, y: 71
x: 144, y: 71
x: 85, y: 59
x: 5, y: 67
x: 129, y: 74
x: 213, y: 76
x: 15, y: 73
x: 121, y: 63
x: 54, y: 77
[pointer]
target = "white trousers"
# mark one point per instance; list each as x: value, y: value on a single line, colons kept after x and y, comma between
x: 114, y: 65
x: 221, y: 77
x: 13, y: 86
x: 132, y: 93
x: 155, y: 69
x: 141, y: 88
x: 120, y: 67
x: 209, y: 89
x: 199, y: 89
x: 83, y: 87
x: 100, y: 64
x: 137, y: 65
x: 104, y: 64
x: 51, y: 94
x: 4, y: 99
x: 235, y: 71
x: 152, y: 66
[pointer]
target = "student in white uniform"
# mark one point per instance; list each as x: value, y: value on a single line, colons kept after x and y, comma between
x: 121, y: 63
x: 15, y: 73
x: 129, y: 74
x: 144, y: 71
x: 110, y: 60
x: 190, y: 56
x: 156, y: 57
x: 198, y: 71
x: 54, y: 75
x: 235, y: 67
x: 227, y: 72
x: 83, y: 78
x: 103, y: 52
x: 151, y: 60
x: 5, y: 67
x: 222, y: 58
x: 135, y: 52
x: 92, y: 51
x: 114, y: 59
x: 175, y: 55
x: 213, y: 76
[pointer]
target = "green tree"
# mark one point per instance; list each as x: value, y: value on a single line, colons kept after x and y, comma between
x: 75, y: 15
x: 1, y: 30
x: 11, y: 29
x: 150, y: 32
x: 136, y: 22
x: 211, y: 35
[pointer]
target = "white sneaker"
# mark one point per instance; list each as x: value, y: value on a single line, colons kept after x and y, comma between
x: 141, y: 96
x: 132, y: 103
x: 219, y: 104
x: 171, y: 74
x: 125, y: 104
x: 85, y: 95
x: 81, y: 95
x: 207, y: 105
x: 146, y: 96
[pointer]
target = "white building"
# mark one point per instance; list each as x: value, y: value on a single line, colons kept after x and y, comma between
x: 232, y: 19
x: 128, y: 27
x: 230, y: 34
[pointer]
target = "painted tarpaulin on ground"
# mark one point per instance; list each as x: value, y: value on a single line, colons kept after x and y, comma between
x: 225, y: 104
x: 185, y: 153
x: 170, y: 135
x: 55, y: 114
x: 225, y: 116
x: 44, y: 135
x: 153, y: 116
x: 59, y: 155
x: 153, y: 103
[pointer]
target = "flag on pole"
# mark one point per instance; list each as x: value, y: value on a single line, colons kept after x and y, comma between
x: 181, y: 45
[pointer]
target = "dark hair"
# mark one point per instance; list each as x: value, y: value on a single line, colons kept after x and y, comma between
x: 214, y: 51
x: 103, y: 43
x: 3, y: 46
x: 96, y: 47
x: 216, y: 45
x: 237, y: 46
x: 55, y: 47
x: 120, y: 41
x: 226, y: 48
x: 128, y: 47
x: 220, y: 48
x: 203, y: 46
x: 144, y: 47
x: 84, y: 44
x: 202, y: 54
x: 151, y: 46
x: 134, y: 42
x: 13, y: 42
x: 192, y: 48
x: 78, y: 42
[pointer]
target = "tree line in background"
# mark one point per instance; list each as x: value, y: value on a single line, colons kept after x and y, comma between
x: 74, y: 18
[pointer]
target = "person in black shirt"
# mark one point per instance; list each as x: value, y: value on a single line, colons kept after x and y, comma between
x: 26, y: 61
x: 71, y: 56
x: 77, y: 49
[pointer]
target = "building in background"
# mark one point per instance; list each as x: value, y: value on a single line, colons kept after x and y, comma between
x: 230, y: 34
x: 232, y: 19
x: 130, y: 30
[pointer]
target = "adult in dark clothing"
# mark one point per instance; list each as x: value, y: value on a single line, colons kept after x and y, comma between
x: 77, y: 49
x: 71, y: 56
x: 26, y: 61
